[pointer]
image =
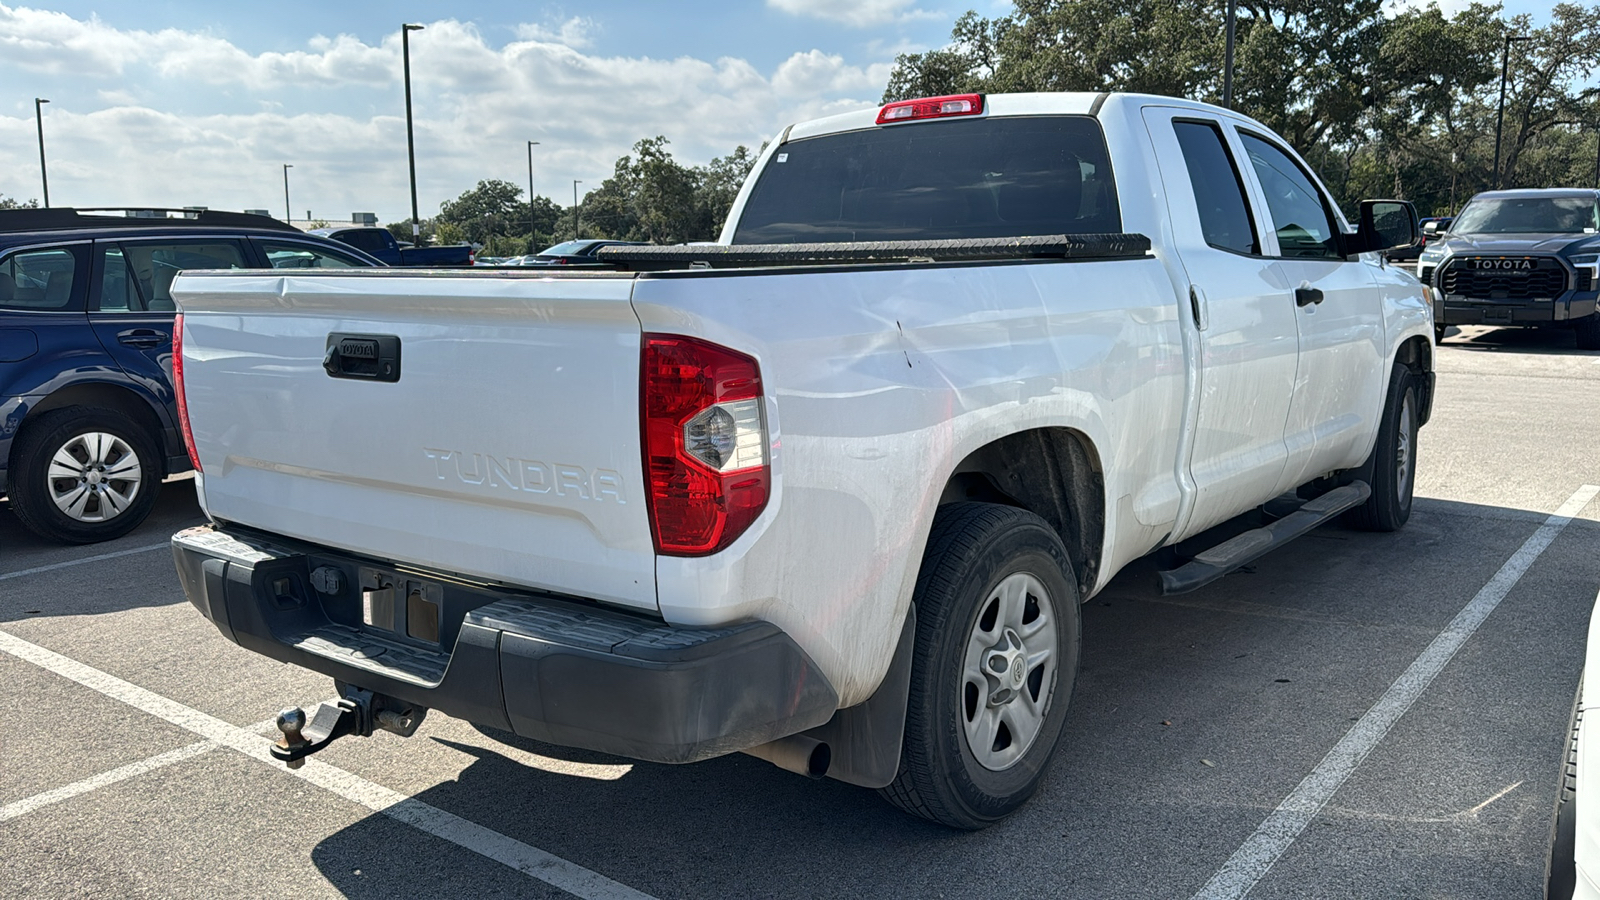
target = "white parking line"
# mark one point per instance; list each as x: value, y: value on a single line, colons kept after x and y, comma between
x: 531, y: 861
x: 164, y: 545
x: 1280, y: 829
x: 121, y: 773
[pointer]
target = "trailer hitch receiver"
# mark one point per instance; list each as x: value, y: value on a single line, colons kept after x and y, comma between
x: 358, y: 712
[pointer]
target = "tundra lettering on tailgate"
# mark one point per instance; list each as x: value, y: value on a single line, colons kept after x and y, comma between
x: 529, y: 475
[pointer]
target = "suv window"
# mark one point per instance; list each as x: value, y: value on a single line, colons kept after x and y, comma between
x: 1218, y: 191
x: 973, y: 178
x: 37, y: 279
x: 304, y: 256
x: 1304, y: 228
x: 137, y: 276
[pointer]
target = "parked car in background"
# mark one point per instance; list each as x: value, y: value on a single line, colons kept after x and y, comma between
x: 574, y: 253
x: 381, y: 245
x: 1522, y: 257
x: 88, y: 423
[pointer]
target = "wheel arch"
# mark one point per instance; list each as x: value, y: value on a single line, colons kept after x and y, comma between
x: 100, y: 395
x: 1053, y: 472
x: 1416, y: 354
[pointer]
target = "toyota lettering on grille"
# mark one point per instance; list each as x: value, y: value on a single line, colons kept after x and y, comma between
x: 1511, y: 264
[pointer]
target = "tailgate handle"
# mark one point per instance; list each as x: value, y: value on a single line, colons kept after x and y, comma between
x: 367, y: 357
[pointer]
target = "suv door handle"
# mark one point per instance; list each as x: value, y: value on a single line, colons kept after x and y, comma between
x: 1306, y: 296
x: 143, y: 337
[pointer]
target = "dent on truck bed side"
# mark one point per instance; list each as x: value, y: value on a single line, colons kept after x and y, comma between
x: 879, y: 384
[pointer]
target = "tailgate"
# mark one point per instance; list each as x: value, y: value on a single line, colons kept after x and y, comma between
x: 507, y: 450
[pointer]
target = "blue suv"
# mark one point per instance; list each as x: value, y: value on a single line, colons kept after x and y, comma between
x: 88, y: 421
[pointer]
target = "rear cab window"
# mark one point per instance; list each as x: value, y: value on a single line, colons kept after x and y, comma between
x: 39, y: 279
x: 972, y: 178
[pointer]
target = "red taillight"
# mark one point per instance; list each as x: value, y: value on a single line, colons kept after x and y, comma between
x: 931, y: 108
x: 705, y: 443
x: 177, y: 387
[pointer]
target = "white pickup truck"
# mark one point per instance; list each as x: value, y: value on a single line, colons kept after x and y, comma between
x: 829, y: 491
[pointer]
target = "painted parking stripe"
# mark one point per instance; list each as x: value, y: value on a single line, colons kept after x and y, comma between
x: 1280, y: 829
x: 164, y: 545
x: 531, y: 861
x: 104, y: 779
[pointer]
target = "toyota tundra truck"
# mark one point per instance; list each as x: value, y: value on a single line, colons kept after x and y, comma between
x: 829, y: 491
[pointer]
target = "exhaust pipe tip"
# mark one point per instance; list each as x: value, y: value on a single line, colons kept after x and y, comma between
x: 798, y: 754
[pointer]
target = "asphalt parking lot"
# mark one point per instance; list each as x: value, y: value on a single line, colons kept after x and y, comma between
x: 1355, y: 715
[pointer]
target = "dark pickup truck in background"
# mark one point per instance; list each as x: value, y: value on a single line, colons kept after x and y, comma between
x: 378, y: 242
x: 1523, y: 258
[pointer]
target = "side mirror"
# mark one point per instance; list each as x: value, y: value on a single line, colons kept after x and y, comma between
x: 1430, y: 229
x: 1385, y: 225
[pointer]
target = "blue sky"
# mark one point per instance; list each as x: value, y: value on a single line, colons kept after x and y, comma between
x: 178, y: 102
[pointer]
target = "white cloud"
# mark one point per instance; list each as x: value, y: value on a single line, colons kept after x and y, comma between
x: 855, y: 13
x: 333, y: 110
x: 574, y: 32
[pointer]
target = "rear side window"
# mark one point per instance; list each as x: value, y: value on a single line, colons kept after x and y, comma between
x: 1218, y: 191
x: 972, y: 178
x: 290, y: 255
x: 152, y: 266
x: 37, y: 279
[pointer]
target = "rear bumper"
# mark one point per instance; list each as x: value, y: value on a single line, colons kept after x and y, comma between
x: 1456, y: 310
x: 555, y: 670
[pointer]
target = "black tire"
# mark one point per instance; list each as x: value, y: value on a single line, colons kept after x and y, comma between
x: 111, y: 507
x: 1438, y: 333
x: 973, y: 548
x: 1393, y: 464
x: 1588, y: 331
x: 1561, y: 872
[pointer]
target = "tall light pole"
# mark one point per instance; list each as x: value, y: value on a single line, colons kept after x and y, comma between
x: 411, y: 147
x: 577, y: 211
x: 38, y: 117
x: 1227, y: 62
x: 531, y: 236
x: 287, y: 216
x: 1500, y: 117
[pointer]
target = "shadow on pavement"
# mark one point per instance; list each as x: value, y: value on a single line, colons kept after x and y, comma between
x: 1193, y: 717
x: 1552, y: 341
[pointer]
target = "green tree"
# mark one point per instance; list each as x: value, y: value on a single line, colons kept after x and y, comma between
x: 14, y: 203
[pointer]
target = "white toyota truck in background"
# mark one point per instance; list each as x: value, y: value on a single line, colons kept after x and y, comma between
x: 829, y: 491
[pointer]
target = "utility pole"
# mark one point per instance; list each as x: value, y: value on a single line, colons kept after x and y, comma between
x: 577, y: 211
x: 38, y: 117
x: 1227, y: 63
x: 287, y: 216
x: 531, y: 236
x: 1500, y: 117
x: 411, y: 147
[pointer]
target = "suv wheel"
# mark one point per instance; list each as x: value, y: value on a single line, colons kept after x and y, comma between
x: 84, y: 475
x: 996, y: 657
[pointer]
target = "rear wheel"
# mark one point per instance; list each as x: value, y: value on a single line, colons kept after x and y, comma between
x: 84, y: 475
x: 1394, y: 459
x: 996, y: 658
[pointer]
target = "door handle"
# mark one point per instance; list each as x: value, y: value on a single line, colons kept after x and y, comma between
x: 143, y: 337
x: 1305, y: 296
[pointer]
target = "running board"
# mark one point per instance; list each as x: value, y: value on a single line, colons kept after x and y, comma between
x: 1218, y: 561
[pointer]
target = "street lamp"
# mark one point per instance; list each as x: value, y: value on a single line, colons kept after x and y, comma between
x: 287, y: 216
x: 411, y: 148
x: 38, y: 116
x: 531, y: 236
x: 1227, y: 62
x: 1500, y: 117
x: 577, y: 211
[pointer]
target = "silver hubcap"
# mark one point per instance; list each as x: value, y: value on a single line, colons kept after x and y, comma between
x: 1010, y: 671
x: 94, y: 477
x: 1402, y: 452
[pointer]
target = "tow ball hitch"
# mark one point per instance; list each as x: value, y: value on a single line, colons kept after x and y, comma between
x: 357, y: 712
